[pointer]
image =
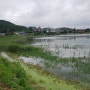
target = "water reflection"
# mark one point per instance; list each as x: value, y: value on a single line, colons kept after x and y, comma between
x: 76, y: 48
x: 33, y: 60
x: 65, y: 46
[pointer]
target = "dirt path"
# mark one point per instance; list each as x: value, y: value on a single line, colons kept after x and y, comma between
x: 4, y: 87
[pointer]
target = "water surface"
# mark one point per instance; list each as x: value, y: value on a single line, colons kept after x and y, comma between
x: 68, y: 46
x: 65, y: 45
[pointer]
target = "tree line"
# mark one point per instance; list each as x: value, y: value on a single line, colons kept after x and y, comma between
x: 9, y: 28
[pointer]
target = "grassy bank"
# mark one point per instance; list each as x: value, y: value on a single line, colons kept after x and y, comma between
x: 21, y: 76
x: 50, y: 82
x: 13, y: 76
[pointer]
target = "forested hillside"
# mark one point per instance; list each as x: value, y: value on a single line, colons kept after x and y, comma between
x: 8, y: 27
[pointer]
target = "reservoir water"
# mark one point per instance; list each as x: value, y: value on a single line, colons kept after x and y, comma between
x: 74, y: 48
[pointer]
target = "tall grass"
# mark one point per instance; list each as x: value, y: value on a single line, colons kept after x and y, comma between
x: 13, y: 75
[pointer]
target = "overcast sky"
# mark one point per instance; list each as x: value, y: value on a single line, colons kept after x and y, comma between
x: 47, y: 13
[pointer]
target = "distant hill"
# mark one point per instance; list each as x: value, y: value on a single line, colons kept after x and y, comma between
x: 8, y: 27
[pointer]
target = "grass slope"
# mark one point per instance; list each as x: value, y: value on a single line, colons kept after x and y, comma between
x: 44, y: 79
x: 12, y: 76
x: 31, y: 75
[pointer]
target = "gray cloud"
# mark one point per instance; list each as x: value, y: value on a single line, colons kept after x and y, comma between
x: 52, y: 13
